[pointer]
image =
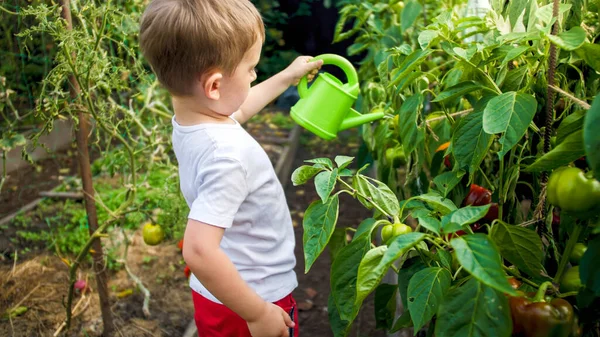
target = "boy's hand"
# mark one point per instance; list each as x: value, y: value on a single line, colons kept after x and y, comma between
x: 302, y: 66
x: 273, y: 322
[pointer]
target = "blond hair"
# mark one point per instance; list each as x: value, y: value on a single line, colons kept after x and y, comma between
x: 184, y: 38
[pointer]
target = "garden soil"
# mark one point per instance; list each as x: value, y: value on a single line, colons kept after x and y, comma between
x: 36, y: 283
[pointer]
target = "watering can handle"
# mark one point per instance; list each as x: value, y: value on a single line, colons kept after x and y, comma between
x: 335, y: 60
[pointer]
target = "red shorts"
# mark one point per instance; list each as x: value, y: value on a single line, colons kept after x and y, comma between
x: 216, y: 320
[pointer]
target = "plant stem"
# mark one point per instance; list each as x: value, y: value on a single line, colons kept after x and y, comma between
x: 355, y: 192
x: 500, y: 199
x: 519, y: 277
x: 541, y: 293
x: 573, y: 238
x: 487, y: 180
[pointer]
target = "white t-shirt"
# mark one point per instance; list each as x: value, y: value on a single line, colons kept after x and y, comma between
x: 228, y: 181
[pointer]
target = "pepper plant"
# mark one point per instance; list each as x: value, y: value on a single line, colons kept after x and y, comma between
x: 474, y: 127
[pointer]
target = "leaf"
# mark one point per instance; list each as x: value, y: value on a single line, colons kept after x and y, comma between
x: 514, y: 79
x: 339, y: 326
x: 404, y: 321
x: 474, y: 310
x: 513, y: 53
x: 570, y: 124
x: 591, y: 136
x: 426, y: 292
x: 11, y: 142
x: 410, y: 63
x: 459, y: 90
x: 509, y: 113
x: 515, y: 10
x: 462, y: 217
x: 385, y: 305
x: 378, y: 260
x: 470, y: 143
x: 409, y: 268
x: 437, y: 202
x: 569, y: 40
x: 337, y: 241
x: 570, y: 149
x: 520, y: 246
x: 409, y: 14
x: 410, y: 133
x: 379, y: 192
x: 426, y: 36
x: 445, y: 182
x: 589, y: 53
x: 477, y: 254
x: 344, y: 271
x: 325, y: 183
x: 319, y: 222
x: 343, y: 161
x: 303, y: 174
x: 589, y: 271
x: 445, y: 259
x: 429, y: 222
x: 321, y: 162
x: 544, y: 13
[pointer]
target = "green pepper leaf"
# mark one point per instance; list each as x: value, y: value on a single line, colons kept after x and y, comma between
x: 589, y: 271
x: 319, y: 222
x: 459, y: 90
x: 445, y: 182
x: 409, y: 268
x: 410, y: 132
x: 343, y: 161
x: 379, y: 192
x: 303, y: 174
x: 426, y: 291
x: 570, y: 124
x: 462, y: 217
x: 378, y: 260
x: 510, y: 114
x: 570, y: 149
x: 339, y: 326
x: 591, y: 140
x: 385, y: 305
x: 470, y: 144
x: 473, y: 310
x: 411, y: 11
x: 569, y: 40
x: 520, y: 246
x: 325, y: 183
x: 321, y: 162
x: 478, y: 255
x: 437, y: 202
x: 344, y: 272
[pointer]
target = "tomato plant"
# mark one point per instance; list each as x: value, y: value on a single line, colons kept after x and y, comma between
x: 484, y: 108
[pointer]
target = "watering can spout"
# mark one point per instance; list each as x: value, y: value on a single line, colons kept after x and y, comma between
x: 354, y: 118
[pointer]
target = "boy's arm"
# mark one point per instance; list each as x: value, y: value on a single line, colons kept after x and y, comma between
x: 202, y: 253
x: 263, y: 93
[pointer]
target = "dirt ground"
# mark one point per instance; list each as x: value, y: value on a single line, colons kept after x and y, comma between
x: 37, y: 282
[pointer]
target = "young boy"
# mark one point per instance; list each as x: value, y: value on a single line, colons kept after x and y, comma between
x: 239, y: 241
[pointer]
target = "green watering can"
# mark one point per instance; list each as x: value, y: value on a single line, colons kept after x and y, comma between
x: 326, y: 107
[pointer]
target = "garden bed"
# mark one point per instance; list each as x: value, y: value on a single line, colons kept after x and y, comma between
x: 34, y: 272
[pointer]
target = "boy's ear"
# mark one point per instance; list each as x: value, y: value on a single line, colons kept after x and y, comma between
x: 211, y: 85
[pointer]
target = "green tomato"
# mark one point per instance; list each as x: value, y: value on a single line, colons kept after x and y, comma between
x: 570, y: 281
x: 577, y: 253
x: 569, y: 189
x: 153, y: 234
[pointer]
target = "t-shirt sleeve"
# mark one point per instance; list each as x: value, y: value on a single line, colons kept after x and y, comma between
x: 222, y: 188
